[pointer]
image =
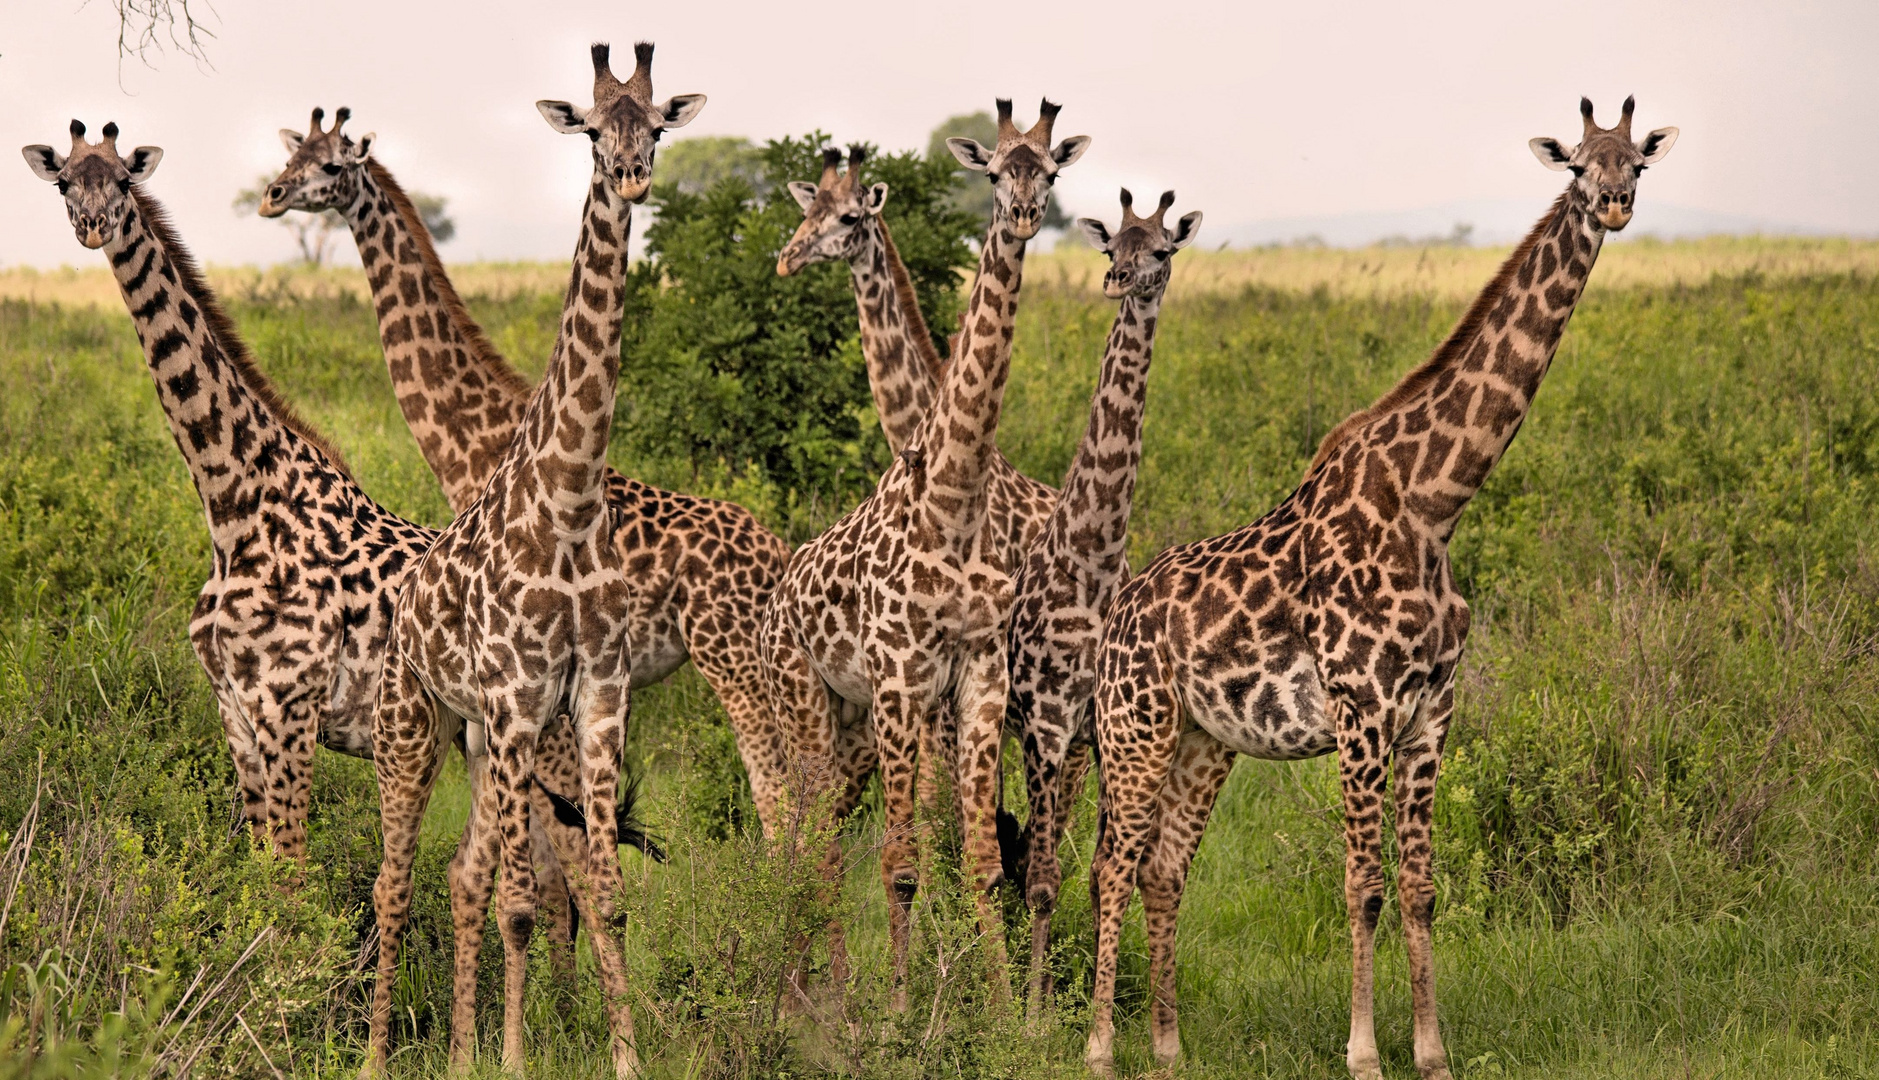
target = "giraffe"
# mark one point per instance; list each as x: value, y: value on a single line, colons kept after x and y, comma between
x: 518, y: 614
x: 699, y: 570
x: 899, y: 608
x: 842, y: 220
x: 291, y: 625
x: 1333, y: 622
x: 1068, y: 578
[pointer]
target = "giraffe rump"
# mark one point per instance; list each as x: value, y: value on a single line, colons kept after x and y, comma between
x: 483, y: 352
x: 1425, y: 373
x: 223, y: 330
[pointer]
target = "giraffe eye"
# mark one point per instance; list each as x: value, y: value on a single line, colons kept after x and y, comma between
x: 330, y: 169
x: 1577, y: 170
x: 64, y: 185
x: 850, y: 219
x: 1162, y: 255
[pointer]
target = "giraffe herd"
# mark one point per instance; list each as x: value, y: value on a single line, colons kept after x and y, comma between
x: 960, y: 604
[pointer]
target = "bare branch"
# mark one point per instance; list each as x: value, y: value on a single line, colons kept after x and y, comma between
x: 143, y: 26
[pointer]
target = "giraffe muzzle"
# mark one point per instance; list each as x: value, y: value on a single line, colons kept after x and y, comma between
x: 1614, y: 209
x: 273, y: 202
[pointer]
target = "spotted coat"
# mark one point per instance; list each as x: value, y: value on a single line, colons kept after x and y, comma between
x: 1333, y: 624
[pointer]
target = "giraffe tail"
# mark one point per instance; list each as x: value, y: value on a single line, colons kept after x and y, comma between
x: 631, y: 831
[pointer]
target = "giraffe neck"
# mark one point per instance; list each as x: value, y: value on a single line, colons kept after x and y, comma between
x: 960, y: 436
x: 231, y: 426
x: 1447, y: 424
x: 563, y: 434
x: 1089, y: 527
x: 903, y: 366
x: 459, y: 397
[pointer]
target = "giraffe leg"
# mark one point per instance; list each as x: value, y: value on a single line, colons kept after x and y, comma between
x: 1201, y: 766
x: 284, y: 737
x: 511, y: 771
x: 979, y: 713
x: 472, y: 882
x: 250, y: 773
x: 735, y: 674
x: 1053, y: 772
x: 1137, y: 732
x: 1361, y: 775
x: 408, y: 742
x: 1417, y: 763
x: 897, y: 721
x: 805, y: 711
x: 555, y: 771
x: 600, y: 717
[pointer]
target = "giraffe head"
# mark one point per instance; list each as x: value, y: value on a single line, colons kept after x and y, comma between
x: 94, y: 180
x: 624, y: 124
x: 1022, y: 167
x: 833, y: 209
x: 1141, y: 248
x: 1606, y: 163
x: 322, y: 170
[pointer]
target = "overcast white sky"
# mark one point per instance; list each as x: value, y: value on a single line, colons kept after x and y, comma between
x: 1250, y: 111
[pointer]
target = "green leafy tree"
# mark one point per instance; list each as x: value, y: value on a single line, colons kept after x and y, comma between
x: 972, y: 194
x: 728, y: 366
x: 696, y: 165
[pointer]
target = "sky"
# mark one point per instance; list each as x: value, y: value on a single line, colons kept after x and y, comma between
x: 1259, y: 114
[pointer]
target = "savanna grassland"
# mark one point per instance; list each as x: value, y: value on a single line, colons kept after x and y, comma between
x: 1654, y: 829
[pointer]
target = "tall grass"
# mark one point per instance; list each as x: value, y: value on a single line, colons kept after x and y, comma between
x: 1652, y: 825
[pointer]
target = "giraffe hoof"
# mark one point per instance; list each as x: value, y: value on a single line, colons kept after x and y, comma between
x: 1438, y: 1071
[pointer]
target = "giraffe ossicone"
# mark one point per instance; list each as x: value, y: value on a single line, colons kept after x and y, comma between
x: 1333, y: 623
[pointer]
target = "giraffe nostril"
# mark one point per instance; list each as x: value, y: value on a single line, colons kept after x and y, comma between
x: 277, y: 192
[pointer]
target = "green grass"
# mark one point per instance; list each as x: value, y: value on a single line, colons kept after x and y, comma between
x: 1652, y: 828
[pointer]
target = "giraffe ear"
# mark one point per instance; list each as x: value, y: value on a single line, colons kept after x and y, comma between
x: 363, y: 148
x: 803, y: 192
x: 142, y: 162
x: 291, y: 139
x: 1096, y: 232
x: 970, y: 153
x: 1657, y: 144
x: 1186, y: 229
x: 564, y: 117
x: 680, y: 109
x: 1551, y: 154
x: 1069, y: 150
x: 45, y: 162
x: 877, y: 198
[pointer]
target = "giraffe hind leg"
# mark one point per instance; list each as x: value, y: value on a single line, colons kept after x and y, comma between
x: 1201, y: 766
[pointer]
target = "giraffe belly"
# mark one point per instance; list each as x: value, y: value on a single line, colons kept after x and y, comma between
x: 1253, y: 709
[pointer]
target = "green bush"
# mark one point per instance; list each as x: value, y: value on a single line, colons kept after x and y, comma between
x: 728, y: 366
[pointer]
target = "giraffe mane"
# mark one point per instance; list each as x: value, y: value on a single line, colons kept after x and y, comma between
x: 1452, y: 347
x: 223, y: 329
x: 481, y: 349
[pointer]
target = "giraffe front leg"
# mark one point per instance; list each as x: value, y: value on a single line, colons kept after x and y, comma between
x: 1201, y: 766
x: 472, y: 882
x: 1417, y: 764
x: 1136, y: 750
x: 600, y: 717
x: 1361, y: 775
x: 284, y: 736
x: 408, y: 744
x: 979, y: 713
x: 512, y: 741
x: 897, y: 723
x: 556, y: 776
x: 1052, y: 787
x: 250, y: 773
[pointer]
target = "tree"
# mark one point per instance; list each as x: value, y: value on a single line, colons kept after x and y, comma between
x: 314, y: 233
x: 973, y: 195
x: 143, y: 24
x: 695, y: 165
x: 728, y: 365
